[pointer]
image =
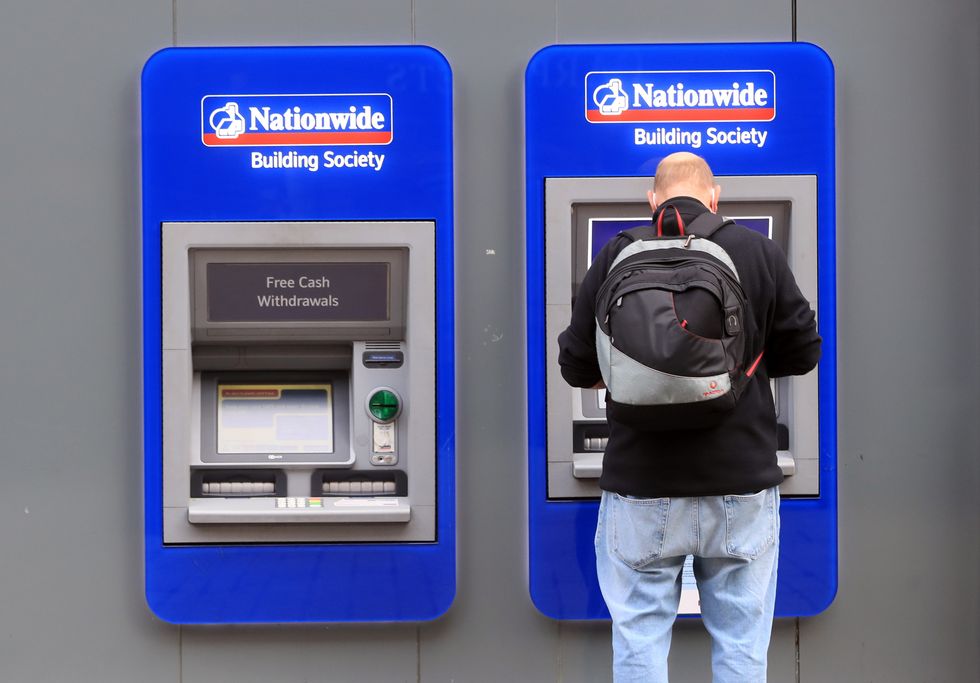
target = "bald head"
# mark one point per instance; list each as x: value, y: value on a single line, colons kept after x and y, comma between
x: 683, y: 174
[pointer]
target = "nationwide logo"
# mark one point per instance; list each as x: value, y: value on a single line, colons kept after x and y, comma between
x: 679, y: 96
x: 296, y: 120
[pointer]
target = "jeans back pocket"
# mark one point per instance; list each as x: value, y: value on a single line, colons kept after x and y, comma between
x: 638, y: 528
x: 752, y: 523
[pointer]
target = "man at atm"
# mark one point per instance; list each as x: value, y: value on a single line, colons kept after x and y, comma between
x: 706, y: 491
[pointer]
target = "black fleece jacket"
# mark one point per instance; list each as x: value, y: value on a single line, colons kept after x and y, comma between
x: 739, y: 455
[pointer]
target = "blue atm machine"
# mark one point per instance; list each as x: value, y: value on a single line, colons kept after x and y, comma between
x: 298, y: 334
x: 598, y: 119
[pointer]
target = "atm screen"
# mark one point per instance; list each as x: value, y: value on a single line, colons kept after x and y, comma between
x: 601, y: 230
x: 275, y: 418
x: 761, y: 224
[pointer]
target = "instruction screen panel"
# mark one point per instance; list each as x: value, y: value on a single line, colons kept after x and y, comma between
x: 275, y: 418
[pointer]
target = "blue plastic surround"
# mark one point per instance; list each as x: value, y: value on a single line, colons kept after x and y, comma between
x: 561, y: 85
x: 184, y: 179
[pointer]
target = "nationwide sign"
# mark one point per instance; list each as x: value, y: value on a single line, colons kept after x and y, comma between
x: 679, y: 96
x: 296, y: 120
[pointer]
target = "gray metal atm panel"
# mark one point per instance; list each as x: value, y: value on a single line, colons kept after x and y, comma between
x: 575, y: 474
x: 392, y: 518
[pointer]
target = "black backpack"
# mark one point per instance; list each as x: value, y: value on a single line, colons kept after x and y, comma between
x: 670, y: 329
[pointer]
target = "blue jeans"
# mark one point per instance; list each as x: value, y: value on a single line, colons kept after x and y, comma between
x: 641, y: 545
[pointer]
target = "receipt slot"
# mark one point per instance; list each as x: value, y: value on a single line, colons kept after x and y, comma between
x: 298, y: 383
x: 598, y: 119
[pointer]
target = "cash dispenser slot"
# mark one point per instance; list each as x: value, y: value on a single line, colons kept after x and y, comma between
x: 589, y: 441
x: 590, y: 437
x: 236, y: 483
x: 784, y: 458
x: 359, y: 484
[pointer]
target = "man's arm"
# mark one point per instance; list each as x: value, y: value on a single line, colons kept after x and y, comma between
x: 577, y: 359
x: 793, y: 345
x: 577, y: 354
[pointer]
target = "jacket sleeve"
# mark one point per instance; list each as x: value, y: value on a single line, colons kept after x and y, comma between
x: 577, y: 354
x: 792, y: 343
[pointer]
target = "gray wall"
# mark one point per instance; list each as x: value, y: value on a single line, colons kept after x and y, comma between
x: 71, y: 605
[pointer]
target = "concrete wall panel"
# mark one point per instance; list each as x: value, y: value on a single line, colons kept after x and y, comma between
x: 293, y: 22
x: 694, y: 21
x: 908, y: 156
x: 71, y: 575
x: 379, y: 654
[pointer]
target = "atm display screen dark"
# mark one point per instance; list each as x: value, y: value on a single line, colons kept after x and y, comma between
x: 761, y: 224
x: 275, y: 418
x: 601, y: 230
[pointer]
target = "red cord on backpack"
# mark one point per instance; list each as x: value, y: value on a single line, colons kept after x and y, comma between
x: 755, y: 365
x: 660, y: 222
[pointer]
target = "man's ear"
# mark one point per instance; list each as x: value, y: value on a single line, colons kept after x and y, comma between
x: 715, y: 196
x: 652, y: 198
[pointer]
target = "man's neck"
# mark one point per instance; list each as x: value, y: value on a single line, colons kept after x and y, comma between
x: 685, y: 201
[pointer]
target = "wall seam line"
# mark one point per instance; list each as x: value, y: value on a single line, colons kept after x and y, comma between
x: 797, y: 650
x: 556, y: 20
x: 180, y: 651
x: 561, y: 640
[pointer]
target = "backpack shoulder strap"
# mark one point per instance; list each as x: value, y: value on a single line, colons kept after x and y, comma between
x: 707, y: 224
x: 641, y: 232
